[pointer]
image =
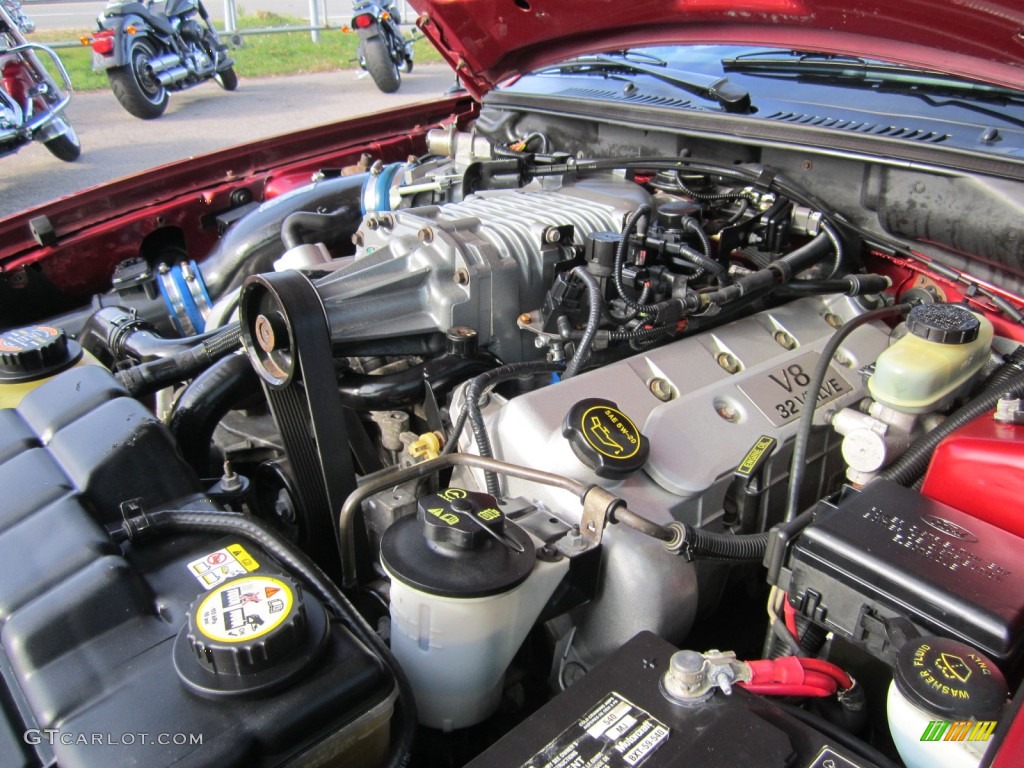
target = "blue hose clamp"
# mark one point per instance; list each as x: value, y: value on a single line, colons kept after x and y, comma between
x: 377, y: 188
x: 185, y: 295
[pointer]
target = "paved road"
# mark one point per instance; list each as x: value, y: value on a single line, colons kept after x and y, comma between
x: 81, y: 14
x: 198, y: 121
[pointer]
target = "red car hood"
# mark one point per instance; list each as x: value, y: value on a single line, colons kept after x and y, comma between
x: 491, y: 40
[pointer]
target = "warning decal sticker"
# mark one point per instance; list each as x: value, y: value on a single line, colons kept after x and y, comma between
x: 614, y: 733
x: 244, y: 609
x: 217, y: 567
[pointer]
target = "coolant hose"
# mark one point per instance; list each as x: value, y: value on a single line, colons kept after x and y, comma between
x: 298, y: 563
x: 593, y: 321
x: 204, y: 403
x: 148, y: 377
x: 912, y: 464
x: 802, y: 438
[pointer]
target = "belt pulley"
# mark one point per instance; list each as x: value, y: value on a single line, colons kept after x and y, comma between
x: 287, y: 338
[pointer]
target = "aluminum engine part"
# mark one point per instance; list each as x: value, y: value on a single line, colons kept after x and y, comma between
x: 725, y: 389
x: 478, y: 263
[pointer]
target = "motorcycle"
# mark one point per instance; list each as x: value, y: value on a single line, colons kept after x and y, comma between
x: 31, y: 102
x: 384, y: 51
x: 149, y: 49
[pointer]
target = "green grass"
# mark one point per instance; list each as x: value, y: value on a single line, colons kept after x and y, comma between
x: 270, y: 55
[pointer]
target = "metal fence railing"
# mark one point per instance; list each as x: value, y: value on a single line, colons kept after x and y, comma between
x: 317, y: 15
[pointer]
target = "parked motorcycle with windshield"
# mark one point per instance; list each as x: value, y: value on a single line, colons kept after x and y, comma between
x: 149, y: 49
x: 384, y: 51
x: 31, y: 102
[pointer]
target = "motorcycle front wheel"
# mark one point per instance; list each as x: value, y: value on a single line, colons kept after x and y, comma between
x: 380, y: 65
x: 227, y: 79
x: 65, y: 147
x: 135, y: 86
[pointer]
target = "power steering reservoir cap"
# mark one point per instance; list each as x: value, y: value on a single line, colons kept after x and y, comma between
x: 949, y: 679
x: 458, y: 545
x: 943, y: 323
x: 604, y: 438
x: 248, y: 635
x: 35, y: 352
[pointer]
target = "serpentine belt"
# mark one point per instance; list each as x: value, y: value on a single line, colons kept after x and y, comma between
x: 287, y: 337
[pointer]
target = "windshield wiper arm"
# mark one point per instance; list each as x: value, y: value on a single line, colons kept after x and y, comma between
x: 850, y: 70
x: 718, y: 89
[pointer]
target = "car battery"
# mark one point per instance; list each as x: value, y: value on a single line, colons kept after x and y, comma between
x: 886, y: 552
x: 620, y: 715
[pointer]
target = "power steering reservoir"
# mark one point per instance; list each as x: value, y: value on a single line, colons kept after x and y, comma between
x: 466, y: 586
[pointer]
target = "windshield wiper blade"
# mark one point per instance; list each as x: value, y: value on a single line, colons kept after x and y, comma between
x: 718, y: 89
x: 843, y: 70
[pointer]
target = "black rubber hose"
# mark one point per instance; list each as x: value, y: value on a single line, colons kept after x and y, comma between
x: 701, y: 544
x: 690, y: 224
x: 298, y: 226
x: 205, y: 402
x: 837, y: 247
x: 1012, y: 365
x: 912, y: 464
x: 369, y: 392
x: 850, y: 285
x: 620, y: 257
x: 148, y: 377
x: 119, y: 333
x: 299, y: 564
x: 593, y: 321
x: 706, y: 263
x: 802, y: 438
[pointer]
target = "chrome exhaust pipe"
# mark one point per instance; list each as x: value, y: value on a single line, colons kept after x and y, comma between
x: 164, y: 62
x: 171, y: 76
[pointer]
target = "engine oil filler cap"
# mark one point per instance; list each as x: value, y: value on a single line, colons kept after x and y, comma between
x: 604, y: 438
x: 943, y: 323
x: 35, y: 352
x: 249, y: 635
x: 458, y: 545
x: 949, y: 679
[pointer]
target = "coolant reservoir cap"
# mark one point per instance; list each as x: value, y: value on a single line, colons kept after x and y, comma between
x: 604, y: 438
x: 949, y: 679
x: 458, y: 545
x: 35, y: 352
x: 249, y: 634
x: 943, y: 323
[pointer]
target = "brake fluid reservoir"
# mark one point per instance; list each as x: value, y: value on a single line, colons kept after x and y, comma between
x: 466, y: 586
x: 946, y: 346
x: 31, y: 355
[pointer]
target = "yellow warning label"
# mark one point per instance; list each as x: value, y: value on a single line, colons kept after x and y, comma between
x: 761, y: 448
x: 243, y: 557
x: 488, y: 514
x: 445, y: 517
x: 610, y: 432
x: 244, y: 609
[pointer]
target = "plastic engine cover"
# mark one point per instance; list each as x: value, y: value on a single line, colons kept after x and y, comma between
x: 88, y: 629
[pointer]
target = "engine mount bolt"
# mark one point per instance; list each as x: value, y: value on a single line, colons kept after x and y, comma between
x: 785, y: 340
x: 728, y: 362
x: 461, y: 276
x: 372, y: 222
x: 357, y: 239
x: 834, y: 320
x: 662, y: 389
x: 426, y: 235
x: 552, y: 235
x: 387, y: 220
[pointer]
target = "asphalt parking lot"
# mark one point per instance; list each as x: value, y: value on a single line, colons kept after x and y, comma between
x: 200, y: 120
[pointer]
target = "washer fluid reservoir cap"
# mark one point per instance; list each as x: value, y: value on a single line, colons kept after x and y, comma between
x: 949, y: 679
x: 943, y: 323
x: 458, y: 545
x: 35, y: 352
x: 249, y: 634
x: 604, y: 438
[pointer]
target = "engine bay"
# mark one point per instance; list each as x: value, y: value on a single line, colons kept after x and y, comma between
x: 447, y: 457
